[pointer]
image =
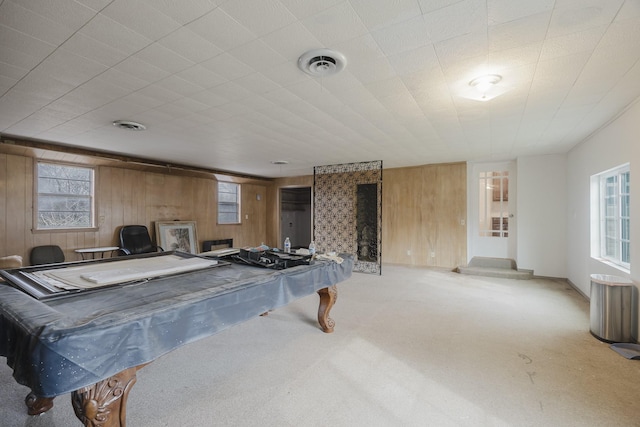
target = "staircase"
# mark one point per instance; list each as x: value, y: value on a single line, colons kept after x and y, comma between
x: 495, y: 267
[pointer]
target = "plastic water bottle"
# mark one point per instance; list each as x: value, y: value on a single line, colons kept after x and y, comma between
x: 312, y: 248
x: 287, y: 245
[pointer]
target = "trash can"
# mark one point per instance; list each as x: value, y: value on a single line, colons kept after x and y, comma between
x: 611, y: 308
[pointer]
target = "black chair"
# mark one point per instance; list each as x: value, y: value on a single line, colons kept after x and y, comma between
x: 135, y: 239
x: 209, y: 245
x: 47, y: 254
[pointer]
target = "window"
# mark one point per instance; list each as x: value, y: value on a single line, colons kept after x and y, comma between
x: 615, y: 223
x: 228, y: 203
x: 65, y: 196
x: 494, y: 207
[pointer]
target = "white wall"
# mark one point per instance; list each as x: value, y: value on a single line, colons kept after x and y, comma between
x: 541, y: 208
x: 615, y: 144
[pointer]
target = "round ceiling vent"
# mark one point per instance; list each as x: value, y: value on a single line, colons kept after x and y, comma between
x: 322, y: 62
x: 127, y: 125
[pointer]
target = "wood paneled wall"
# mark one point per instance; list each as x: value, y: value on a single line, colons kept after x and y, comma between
x: 422, y: 210
x: 424, y: 215
x: 125, y: 196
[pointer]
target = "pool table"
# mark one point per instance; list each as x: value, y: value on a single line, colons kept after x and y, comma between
x: 92, y: 343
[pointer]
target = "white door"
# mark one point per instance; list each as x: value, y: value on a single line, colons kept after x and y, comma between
x: 492, y: 216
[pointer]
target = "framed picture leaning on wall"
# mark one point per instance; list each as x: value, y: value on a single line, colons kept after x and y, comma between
x: 177, y: 236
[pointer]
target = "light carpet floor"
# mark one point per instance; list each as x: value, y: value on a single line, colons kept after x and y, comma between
x: 413, y: 347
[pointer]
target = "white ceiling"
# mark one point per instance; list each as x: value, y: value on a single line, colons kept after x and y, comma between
x: 217, y: 86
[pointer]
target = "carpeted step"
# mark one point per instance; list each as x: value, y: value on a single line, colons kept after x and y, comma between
x: 495, y: 267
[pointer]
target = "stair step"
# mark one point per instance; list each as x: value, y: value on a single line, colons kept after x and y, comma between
x: 495, y: 267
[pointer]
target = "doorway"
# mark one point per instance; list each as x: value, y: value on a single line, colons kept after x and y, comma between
x: 492, y: 210
x: 296, y: 216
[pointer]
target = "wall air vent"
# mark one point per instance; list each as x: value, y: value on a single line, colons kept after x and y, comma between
x: 322, y: 62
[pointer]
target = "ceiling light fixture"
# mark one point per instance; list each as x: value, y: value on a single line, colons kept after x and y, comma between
x: 322, y: 62
x: 280, y: 162
x: 484, y: 84
x: 128, y: 125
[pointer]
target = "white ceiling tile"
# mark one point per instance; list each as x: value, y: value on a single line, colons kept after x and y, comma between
x: 18, y: 59
x: 570, y: 16
x: 83, y: 45
x: 141, y: 100
x: 172, y: 111
x: 404, y: 36
x: 455, y: 20
x: 141, y: 69
x: 201, y: 76
x: 21, y: 19
x: 141, y: 18
x: 260, y: 17
x: 431, y: 5
x: 372, y: 71
x: 189, y: 45
x: 152, y: 117
x: 11, y: 39
x: 336, y: 24
x: 6, y: 83
x: 95, y: 5
x: 462, y: 47
x: 159, y: 93
x: 124, y: 80
x: 584, y: 41
x: 228, y: 67
x: 257, y: 55
x: 282, y: 96
x: 231, y: 91
x: 512, y: 34
x: 163, y: 58
x: 179, y: 85
x: 210, y: 98
x: 420, y: 59
x: 182, y: 13
x: 257, y: 103
x: 341, y: 84
x: 71, y: 68
x: 385, y: 13
x: 211, y: 83
x: 69, y: 13
x: 10, y: 70
x: 221, y: 29
x: 257, y: 83
x: 43, y: 86
x: 285, y: 74
x: 105, y: 115
x: 501, y: 11
x: 515, y: 57
x: 291, y: 41
x: 629, y: 10
x: 304, y: 8
x: 558, y: 73
x: 119, y: 37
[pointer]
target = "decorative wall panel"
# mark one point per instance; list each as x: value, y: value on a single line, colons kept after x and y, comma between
x: 347, y: 213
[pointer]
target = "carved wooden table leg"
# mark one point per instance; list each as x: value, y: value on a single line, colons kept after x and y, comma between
x: 38, y: 405
x: 104, y: 404
x: 328, y: 297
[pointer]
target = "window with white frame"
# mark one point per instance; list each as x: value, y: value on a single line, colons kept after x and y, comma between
x: 64, y: 196
x: 614, y: 219
x: 228, y: 203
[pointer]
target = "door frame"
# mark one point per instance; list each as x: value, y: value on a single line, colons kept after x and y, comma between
x: 498, y: 247
x: 280, y: 236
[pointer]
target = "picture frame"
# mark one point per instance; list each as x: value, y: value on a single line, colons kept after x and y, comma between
x: 177, y: 236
